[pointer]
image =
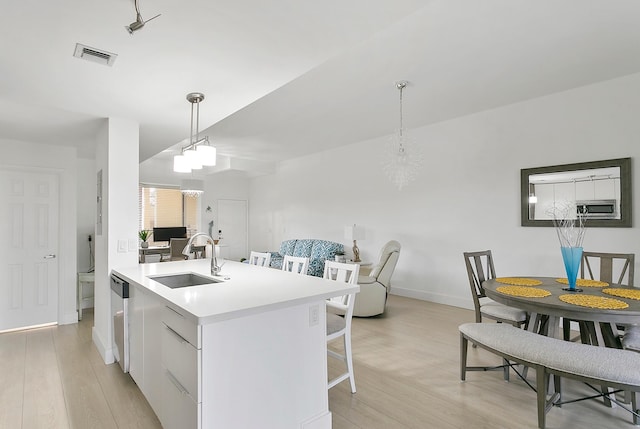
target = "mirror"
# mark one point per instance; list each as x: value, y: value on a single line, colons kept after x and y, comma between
x: 600, y: 190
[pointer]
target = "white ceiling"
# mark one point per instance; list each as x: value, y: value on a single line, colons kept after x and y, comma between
x: 284, y: 78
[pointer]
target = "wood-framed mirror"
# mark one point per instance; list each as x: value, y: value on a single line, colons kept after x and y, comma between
x: 600, y: 190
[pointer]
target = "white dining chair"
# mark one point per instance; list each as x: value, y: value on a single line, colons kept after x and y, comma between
x: 295, y: 264
x: 339, y: 315
x: 261, y: 259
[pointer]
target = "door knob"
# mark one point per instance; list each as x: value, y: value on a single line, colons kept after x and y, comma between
x: 50, y: 257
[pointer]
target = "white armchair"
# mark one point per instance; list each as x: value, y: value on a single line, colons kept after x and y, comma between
x: 374, y: 287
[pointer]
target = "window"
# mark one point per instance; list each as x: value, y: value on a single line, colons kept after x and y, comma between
x: 166, y: 206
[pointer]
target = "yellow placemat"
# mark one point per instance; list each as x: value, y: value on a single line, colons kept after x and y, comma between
x: 518, y: 281
x: 593, y: 301
x: 528, y: 292
x: 584, y: 282
x: 623, y: 293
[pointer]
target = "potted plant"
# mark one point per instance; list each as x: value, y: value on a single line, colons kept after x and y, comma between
x: 340, y: 256
x: 144, y: 235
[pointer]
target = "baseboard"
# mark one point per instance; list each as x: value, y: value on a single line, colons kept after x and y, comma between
x: 433, y: 297
x: 322, y: 421
x: 69, y: 318
x: 104, y: 348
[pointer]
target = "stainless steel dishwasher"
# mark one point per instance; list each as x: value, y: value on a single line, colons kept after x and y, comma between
x: 120, y: 316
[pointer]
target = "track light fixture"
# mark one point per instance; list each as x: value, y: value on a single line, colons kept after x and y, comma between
x: 139, y: 22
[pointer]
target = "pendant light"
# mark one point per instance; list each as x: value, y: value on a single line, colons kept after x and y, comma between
x: 403, y: 159
x: 199, y: 151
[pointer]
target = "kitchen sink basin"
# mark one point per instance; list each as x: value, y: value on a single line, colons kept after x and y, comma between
x: 175, y: 281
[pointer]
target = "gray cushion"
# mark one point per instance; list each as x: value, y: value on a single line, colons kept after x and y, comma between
x: 334, y: 323
x: 503, y: 312
x: 631, y: 338
x: 601, y: 363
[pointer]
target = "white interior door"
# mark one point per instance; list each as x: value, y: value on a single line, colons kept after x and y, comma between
x: 28, y: 249
x: 232, y: 220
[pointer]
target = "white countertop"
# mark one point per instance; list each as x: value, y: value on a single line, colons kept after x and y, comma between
x: 245, y: 289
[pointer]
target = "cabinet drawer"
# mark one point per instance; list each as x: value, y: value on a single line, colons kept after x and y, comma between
x: 179, y: 410
x: 182, y: 360
x: 180, y: 324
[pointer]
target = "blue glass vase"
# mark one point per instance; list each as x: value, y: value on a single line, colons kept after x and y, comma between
x: 571, y: 257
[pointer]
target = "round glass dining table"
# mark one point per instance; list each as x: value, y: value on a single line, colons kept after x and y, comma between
x: 553, y: 307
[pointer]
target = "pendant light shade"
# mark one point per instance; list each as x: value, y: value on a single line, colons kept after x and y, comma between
x: 206, y: 154
x: 193, y: 159
x: 181, y: 164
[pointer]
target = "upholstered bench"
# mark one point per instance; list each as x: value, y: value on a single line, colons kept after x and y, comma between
x: 599, y: 365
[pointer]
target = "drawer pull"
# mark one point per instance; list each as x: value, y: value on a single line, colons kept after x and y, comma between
x: 180, y: 337
x: 176, y: 383
x: 179, y: 314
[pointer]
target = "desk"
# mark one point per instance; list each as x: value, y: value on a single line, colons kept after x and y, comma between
x: 83, y: 278
x: 556, y: 309
x: 153, y: 250
x: 198, y: 250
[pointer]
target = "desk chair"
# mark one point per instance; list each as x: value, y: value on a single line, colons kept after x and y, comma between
x: 176, y: 245
x: 296, y: 264
x: 261, y: 259
x: 339, y: 315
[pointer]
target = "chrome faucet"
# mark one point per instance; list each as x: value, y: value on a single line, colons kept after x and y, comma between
x: 215, y: 268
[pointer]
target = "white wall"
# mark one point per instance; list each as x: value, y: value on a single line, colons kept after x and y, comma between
x: 86, y: 215
x: 62, y: 161
x: 117, y: 157
x: 231, y: 185
x: 467, y: 197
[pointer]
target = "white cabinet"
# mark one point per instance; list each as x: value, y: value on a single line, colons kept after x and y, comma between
x: 136, y: 334
x: 152, y: 367
x: 181, y: 359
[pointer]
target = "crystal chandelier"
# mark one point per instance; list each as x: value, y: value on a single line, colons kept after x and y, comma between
x: 403, y: 158
x: 199, y: 151
x: 192, y: 188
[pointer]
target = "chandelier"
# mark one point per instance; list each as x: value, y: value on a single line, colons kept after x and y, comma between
x: 199, y: 151
x: 192, y: 188
x: 403, y: 158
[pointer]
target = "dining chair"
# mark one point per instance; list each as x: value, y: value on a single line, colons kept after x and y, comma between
x: 261, y: 259
x: 611, y: 268
x: 622, y: 264
x: 296, y: 264
x: 480, y: 268
x: 339, y: 316
x: 606, y: 267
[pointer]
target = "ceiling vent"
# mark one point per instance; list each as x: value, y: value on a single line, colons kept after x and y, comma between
x: 96, y: 55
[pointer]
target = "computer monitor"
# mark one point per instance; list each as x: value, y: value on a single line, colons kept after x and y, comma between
x: 168, y: 232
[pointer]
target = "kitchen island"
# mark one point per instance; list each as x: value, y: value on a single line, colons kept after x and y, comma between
x: 246, y: 352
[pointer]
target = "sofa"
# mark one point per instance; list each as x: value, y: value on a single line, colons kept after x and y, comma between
x: 316, y: 250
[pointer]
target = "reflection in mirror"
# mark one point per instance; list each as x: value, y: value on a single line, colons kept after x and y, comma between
x: 595, y: 193
x: 600, y: 191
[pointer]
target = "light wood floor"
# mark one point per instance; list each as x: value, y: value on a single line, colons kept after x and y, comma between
x: 407, y: 376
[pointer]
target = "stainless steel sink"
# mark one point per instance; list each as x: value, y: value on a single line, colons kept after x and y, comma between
x: 175, y: 281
